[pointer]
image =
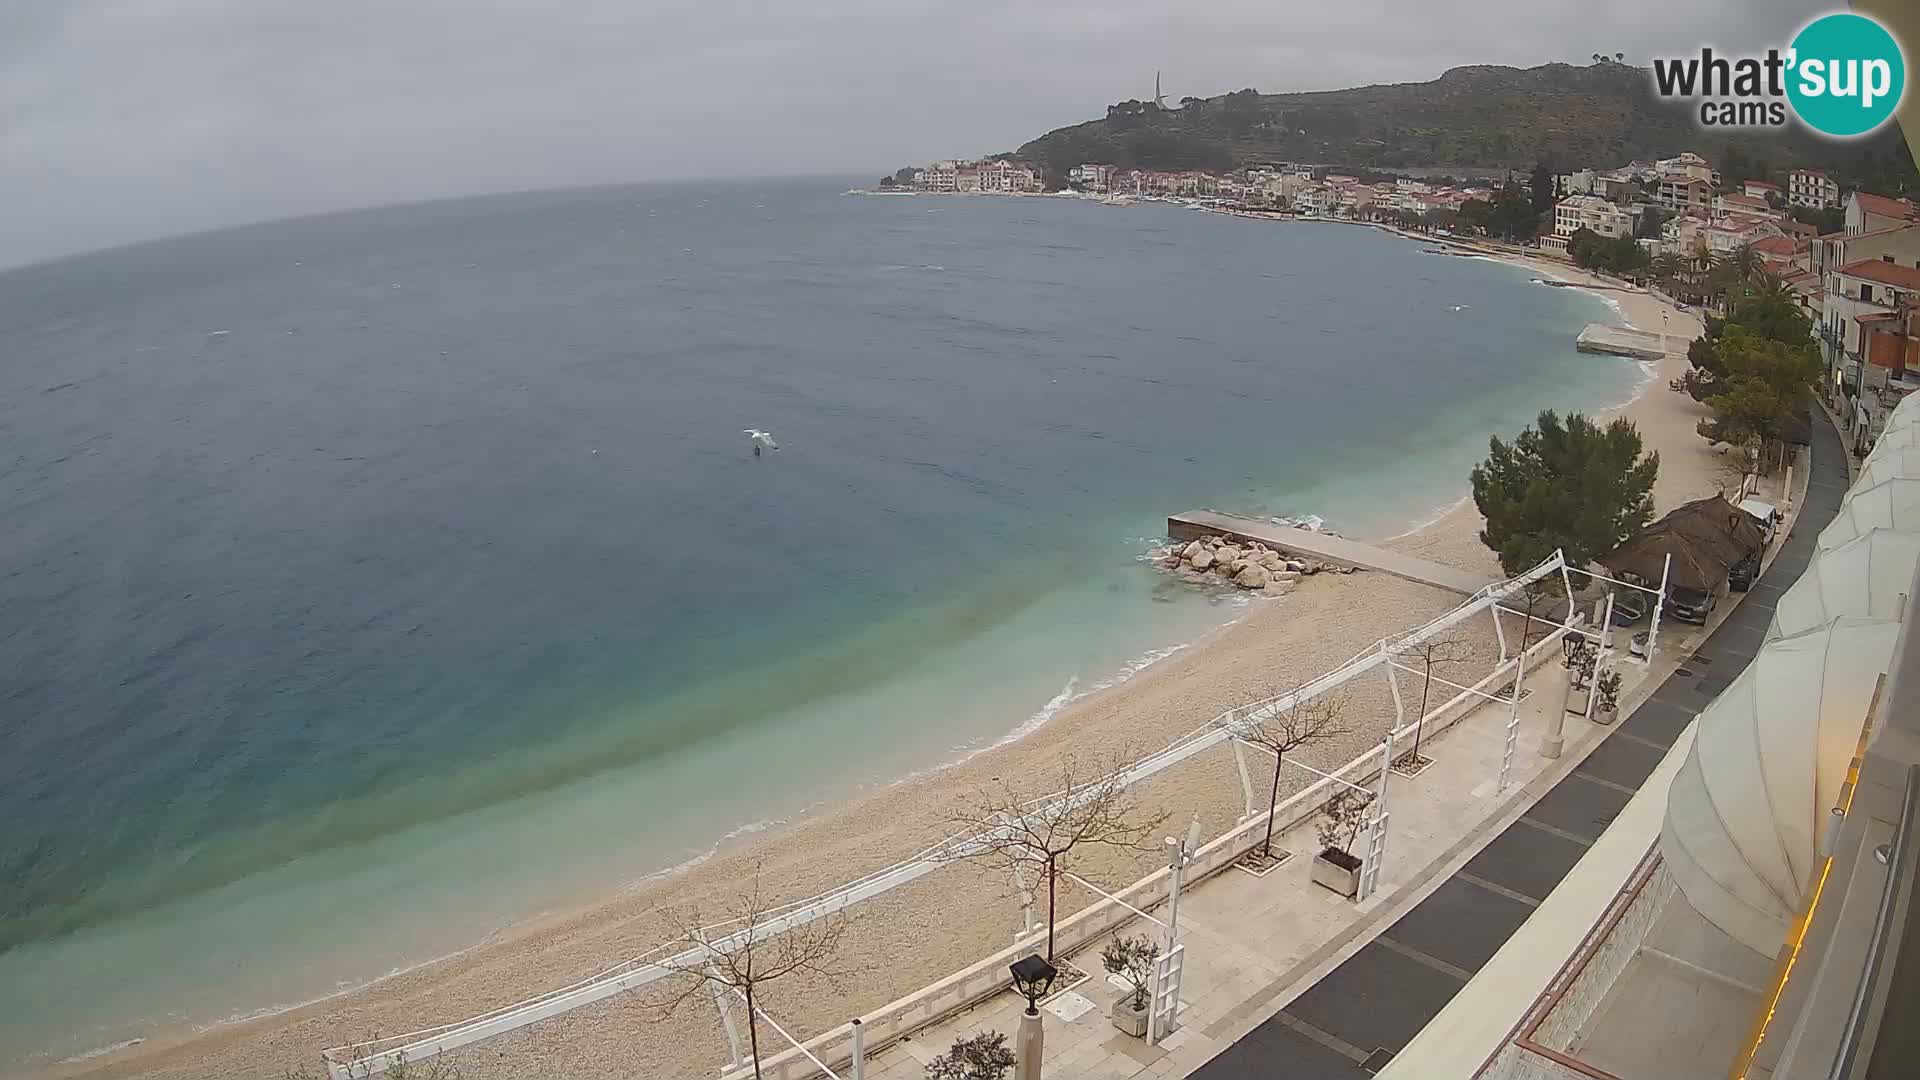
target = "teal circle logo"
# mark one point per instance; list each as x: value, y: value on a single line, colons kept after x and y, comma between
x: 1847, y: 75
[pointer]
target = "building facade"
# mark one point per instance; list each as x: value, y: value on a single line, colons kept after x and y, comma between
x: 1811, y: 187
x: 1577, y: 212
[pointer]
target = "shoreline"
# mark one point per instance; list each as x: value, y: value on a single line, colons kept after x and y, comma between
x: 1134, y: 705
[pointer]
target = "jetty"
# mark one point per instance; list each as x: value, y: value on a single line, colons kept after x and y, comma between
x: 1334, y: 550
x: 1621, y: 341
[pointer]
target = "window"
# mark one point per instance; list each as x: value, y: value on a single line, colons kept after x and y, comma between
x: 1866, y: 293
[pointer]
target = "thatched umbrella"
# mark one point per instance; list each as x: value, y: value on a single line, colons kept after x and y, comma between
x: 1706, y: 538
x: 1728, y: 531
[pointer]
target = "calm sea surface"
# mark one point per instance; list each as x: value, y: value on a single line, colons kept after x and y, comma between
x: 374, y: 580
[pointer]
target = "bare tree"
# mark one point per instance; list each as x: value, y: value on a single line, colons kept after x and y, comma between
x: 1282, y: 731
x: 746, y: 952
x: 1090, y: 807
x: 1444, y: 649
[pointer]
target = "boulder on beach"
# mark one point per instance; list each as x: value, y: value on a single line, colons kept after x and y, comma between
x: 1203, y: 560
x: 1192, y: 549
x: 1252, y: 577
x: 1296, y: 566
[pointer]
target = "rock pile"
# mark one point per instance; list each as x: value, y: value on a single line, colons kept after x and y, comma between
x: 1250, y: 566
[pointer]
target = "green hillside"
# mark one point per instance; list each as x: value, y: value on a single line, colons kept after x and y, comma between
x: 1479, y: 118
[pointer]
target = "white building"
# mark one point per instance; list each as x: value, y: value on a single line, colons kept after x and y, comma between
x: 1811, y: 187
x: 1576, y: 183
x: 1092, y: 177
x: 1577, y: 212
x: 1688, y: 164
x: 1866, y: 287
x: 1008, y: 177
x: 939, y: 176
x: 1867, y: 212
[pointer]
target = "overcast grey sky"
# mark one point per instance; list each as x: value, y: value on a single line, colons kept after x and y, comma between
x: 127, y: 119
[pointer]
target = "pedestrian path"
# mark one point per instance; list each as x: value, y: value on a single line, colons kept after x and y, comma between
x: 1350, y: 1023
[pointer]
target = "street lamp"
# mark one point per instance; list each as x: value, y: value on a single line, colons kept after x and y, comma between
x: 1032, y: 977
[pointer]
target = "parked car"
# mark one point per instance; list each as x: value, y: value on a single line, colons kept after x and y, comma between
x: 1690, y: 605
x: 1741, y: 575
x: 1765, y: 513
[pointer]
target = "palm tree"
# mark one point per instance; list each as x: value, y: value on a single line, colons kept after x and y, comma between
x: 1745, y: 262
x: 1669, y: 268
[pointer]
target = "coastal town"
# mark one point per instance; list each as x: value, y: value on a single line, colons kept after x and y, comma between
x: 1851, y: 258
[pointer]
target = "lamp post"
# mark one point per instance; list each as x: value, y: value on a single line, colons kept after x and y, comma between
x: 1032, y: 977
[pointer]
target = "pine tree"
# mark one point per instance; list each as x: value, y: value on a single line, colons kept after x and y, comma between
x: 1573, y: 486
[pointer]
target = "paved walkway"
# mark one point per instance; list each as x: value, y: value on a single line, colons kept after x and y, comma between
x: 1337, y: 550
x: 1351, y: 1022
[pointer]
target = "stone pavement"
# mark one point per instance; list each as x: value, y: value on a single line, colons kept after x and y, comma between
x: 1284, y: 979
x: 1348, y: 1025
x: 1254, y: 941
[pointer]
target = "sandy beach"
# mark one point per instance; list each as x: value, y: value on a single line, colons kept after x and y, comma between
x: 951, y: 918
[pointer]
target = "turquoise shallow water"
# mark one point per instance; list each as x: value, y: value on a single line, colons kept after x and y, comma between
x: 361, y: 554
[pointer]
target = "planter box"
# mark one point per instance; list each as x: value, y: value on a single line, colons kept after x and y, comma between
x: 1338, y: 871
x: 1130, y: 1020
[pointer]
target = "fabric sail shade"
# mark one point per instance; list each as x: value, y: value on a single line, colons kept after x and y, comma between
x: 1868, y: 575
x: 1769, y: 758
x: 1893, y: 503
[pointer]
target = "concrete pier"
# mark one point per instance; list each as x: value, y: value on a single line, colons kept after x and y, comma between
x: 1620, y: 341
x: 1335, y: 550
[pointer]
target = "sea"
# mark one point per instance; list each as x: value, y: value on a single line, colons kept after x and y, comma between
x: 372, y: 582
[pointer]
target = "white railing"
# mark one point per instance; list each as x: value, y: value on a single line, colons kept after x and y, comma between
x: 377, y: 1056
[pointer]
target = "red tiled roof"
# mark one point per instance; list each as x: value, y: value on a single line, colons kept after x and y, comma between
x: 1886, y: 273
x: 1753, y: 201
x: 1762, y: 183
x: 1881, y: 206
x: 1777, y: 245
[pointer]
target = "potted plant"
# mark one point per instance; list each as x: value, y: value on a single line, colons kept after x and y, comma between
x: 980, y: 1057
x: 1336, y: 866
x: 1132, y: 959
x: 1580, y: 661
x: 1606, y: 698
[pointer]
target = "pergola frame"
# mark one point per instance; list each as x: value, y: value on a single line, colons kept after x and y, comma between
x: 367, y: 1060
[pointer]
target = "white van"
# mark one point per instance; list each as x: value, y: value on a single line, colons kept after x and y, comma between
x: 1767, y: 514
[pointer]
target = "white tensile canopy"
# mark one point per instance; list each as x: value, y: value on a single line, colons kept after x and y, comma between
x: 1904, y: 414
x: 1896, y: 463
x: 1769, y: 758
x: 1868, y: 575
x: 1890, y: 504
x: 1896, y: 438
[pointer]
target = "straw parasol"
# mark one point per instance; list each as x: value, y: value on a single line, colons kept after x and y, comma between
x: 1705, y: 537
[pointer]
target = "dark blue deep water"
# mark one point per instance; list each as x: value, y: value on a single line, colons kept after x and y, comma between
x: 324, y: 535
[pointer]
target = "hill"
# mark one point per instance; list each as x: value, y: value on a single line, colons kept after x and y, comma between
x: 1480, y: 118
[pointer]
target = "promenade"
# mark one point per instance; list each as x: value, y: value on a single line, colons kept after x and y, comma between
x: 1285, y: 979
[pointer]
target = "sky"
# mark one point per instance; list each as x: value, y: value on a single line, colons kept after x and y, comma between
x: 124, y: 120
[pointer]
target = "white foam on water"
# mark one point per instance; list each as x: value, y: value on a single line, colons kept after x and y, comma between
x: 100, y: 1051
